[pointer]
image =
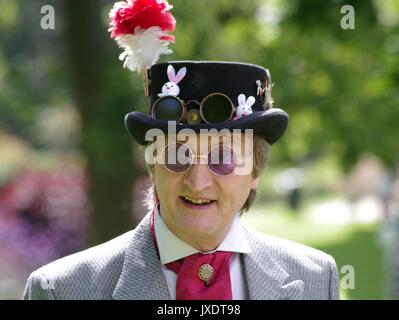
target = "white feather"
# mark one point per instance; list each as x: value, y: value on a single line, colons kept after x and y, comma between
x: 143, y: 48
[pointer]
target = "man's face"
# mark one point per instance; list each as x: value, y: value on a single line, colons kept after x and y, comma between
x: 201, y: 225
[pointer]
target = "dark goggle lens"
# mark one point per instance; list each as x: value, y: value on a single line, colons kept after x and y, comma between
x: 222, y: 160
x: 216, y: 108
x: 177, y: 157
x: 167, y: 109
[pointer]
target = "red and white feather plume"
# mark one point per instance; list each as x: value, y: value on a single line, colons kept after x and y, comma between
x: 140, y: 28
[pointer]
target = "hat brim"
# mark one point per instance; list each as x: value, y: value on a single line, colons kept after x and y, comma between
x: 269, y: 124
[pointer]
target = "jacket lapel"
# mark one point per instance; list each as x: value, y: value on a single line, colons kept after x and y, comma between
x: 266, y: 278
x: 141, y: 277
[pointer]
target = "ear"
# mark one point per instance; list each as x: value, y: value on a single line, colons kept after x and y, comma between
x: 250, y: 101
x: 180, y: 75
x: 255, y: 184
x: 241, y: 99
x: 171, y: 73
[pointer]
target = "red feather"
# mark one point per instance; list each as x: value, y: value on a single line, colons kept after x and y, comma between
x: 126, y: 16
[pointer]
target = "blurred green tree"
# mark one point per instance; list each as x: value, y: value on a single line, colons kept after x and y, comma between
x: 103, y: 94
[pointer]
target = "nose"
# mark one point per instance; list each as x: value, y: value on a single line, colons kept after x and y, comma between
x: 198, y: 178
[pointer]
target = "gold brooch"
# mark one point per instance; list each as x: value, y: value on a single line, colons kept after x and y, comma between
x: 205, y: 273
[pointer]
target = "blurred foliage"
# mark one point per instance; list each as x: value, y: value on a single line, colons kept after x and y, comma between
x: 44, y: 214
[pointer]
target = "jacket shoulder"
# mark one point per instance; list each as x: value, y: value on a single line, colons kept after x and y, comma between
x: 89, y: 274
x: 315, y: 268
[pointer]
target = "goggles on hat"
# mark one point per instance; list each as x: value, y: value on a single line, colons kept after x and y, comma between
x: 221, y: 159
x: 214, y: 108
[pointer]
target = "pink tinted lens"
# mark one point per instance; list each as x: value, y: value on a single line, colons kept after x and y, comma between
x: 222, y: 160
x: 177, y: 157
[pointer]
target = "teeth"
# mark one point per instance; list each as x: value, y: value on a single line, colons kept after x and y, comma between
x: 197, y: 201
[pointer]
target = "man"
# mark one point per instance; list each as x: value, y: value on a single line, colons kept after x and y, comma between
x: 208, y: 131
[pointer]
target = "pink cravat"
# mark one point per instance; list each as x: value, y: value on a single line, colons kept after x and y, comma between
x: 201, y: 276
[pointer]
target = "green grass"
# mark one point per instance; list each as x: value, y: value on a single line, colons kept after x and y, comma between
x: 350, y: 244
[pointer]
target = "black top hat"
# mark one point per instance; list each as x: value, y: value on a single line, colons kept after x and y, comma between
x: 189, y: 84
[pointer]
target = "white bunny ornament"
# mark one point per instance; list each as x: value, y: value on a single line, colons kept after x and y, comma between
x: 244, y: 106
x: 171, y: 88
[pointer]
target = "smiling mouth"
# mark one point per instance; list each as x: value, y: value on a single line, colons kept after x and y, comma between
x: 197, y: 201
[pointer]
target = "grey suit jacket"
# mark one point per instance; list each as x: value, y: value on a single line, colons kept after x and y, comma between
x: 127, y: 267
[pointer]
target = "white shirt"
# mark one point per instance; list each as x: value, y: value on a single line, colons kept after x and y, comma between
x: 172, y: 248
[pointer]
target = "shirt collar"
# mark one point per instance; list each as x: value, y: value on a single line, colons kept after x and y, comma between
x: 172, y: 248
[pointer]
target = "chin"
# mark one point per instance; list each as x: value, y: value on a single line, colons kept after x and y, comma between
x: 200, y: 227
